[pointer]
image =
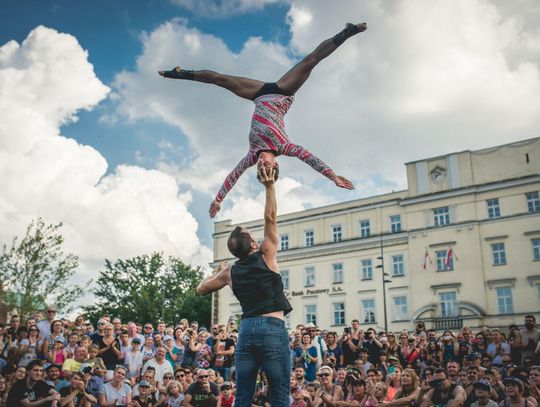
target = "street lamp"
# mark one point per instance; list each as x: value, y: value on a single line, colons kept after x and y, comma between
x: 384, y: 282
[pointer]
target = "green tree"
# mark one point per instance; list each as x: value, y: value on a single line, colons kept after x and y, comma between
x: 148, y: 289
x: 35, y: 271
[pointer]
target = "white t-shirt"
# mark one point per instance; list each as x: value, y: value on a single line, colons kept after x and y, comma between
x: 44, y: 328
x: 161, y: 369
x: 112, y: 393
x: 134, y: 363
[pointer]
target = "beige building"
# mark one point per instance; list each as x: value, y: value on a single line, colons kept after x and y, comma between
x: 460, y: 246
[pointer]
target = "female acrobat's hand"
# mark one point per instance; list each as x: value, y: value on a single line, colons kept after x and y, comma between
x: 343, y: 182
x: 215, y: 206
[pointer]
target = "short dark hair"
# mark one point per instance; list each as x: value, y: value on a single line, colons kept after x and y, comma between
x: 33, y: 363
x: 239, y: 243
x: 441, y: 370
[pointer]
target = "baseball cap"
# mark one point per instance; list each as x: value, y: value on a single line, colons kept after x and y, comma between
x: 136, y: 340
x: 310, y: 325
x: 226, y: 385
x: 59, y: 339
x: 514, y: 380
x: 482, y: 385
x: 168, y: 338
x: 144, y: 383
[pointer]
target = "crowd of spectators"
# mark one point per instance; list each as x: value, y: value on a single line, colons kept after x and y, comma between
x: 49, y: 361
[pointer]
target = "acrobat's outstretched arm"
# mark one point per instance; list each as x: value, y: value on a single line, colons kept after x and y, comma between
x: 249, y: 160
x: 295, y: 150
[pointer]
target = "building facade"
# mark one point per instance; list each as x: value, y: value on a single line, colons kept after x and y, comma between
x: 460, y: 246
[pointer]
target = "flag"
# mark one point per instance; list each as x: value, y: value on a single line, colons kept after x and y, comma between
x: 426, y: 258
x: 448, y: 259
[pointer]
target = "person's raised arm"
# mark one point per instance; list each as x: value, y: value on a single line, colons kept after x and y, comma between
x: 218, y: 280
x: 295, y: 150
x: 249, y: 160
x: 269, y: 245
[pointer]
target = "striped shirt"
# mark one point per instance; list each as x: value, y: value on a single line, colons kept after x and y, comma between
x: 268, y: 134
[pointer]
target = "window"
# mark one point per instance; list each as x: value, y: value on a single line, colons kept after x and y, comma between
x: 336, y: 233
x: 504, y: 300
x: 368, y: 311
x: 533, y: 202
x: 536, y: 249
x: 441, y: 216
x: 401, y: 311
x: 494, y: 211
x: 284, y: 242
x: 337, y: 272
x: 398, y: 269
x: 448, y: 304
x: 365, y: 230
x: 309, y: 237
x: 339, y: 313
x: 367, y: 269
x: 310, y: 277
x: 285, y: 279
x: 395, y: 223
x: 311, y: 314
x: 441, y: 261
x: 499, y: 255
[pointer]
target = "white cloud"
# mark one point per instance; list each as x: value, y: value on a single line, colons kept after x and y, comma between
x: 224, y: 8
x: 427, y: 78
x: 43, y: 83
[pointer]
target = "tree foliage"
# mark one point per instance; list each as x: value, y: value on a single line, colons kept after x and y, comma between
x: 149, y: 289
x: 35, y: 271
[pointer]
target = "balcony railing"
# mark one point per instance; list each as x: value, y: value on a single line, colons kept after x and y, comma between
x: 444, y: 324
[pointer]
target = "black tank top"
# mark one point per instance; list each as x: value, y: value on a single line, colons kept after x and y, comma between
x: 259, y: 289
x: 437, y: 398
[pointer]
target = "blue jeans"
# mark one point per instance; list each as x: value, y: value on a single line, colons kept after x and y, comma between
x: 263, y: 344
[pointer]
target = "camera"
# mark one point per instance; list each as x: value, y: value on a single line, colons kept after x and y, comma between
x: 348, y: 330
x: 436, y: 384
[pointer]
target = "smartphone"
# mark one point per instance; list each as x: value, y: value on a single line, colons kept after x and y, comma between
x: 348, y: 330
x: 391, y: 369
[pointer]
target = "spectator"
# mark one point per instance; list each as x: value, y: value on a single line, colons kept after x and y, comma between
x: 148, y: 350
x: 159, y: 364
x: 32, y: 388
x: 99, y: 333
x: 333, y: 354
x: 226, y: 396
x: 530, y: 337
x: 441, y: 392
x: 30, y: 346
x: 73, y: 364
x: 93, y: 359
x: 145, y: 398
x: 75, y: 394
x: 134, y: 360
x: 514, y: 394
x: 4, y: 390
x: 57, y: 331
x: 58, y: 354
x: 483, y: 390
x: 45, y: 325
x: 201, y: 393
x: 109, y: 346
x: 117, y: 326
x: 224, y: 352
x: 328, y: 392
x: 53, y: 377
x: 306, y: 355
x: 409, y: 390
x: 377, y: 395
x: 116, y: 392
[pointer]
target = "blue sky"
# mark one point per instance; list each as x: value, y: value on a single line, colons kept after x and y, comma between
x: 129, y: 162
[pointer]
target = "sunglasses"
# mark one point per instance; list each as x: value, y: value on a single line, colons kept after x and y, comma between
x: 226, y: 388
x: 323, y: 374
x: 51, y: 311
x: 167, y: 377
x: 203, y: 377
x: 180, y: 375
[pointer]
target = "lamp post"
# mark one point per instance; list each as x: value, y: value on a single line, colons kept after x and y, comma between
x: 384, y: 282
